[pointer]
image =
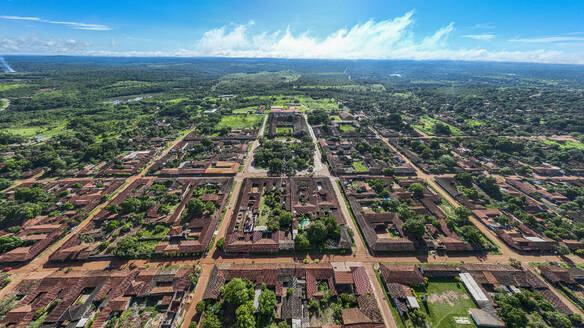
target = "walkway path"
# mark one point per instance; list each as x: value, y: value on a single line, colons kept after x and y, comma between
x: 197, y: 296
x: 382, y: 302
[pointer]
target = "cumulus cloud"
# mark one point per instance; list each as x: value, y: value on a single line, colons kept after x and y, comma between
x: 368, y: 40
x: 386, y: 39
x: 479, y: 36
x: 75, y: 25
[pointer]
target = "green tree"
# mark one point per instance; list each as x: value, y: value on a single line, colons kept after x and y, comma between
x: 207, y: 142
x: 462, y: 213
x: 276, y: 165
x: 196, y: 207
x: 442, y: 129
x: 417, y: 190
x: 131, y: 205
x: 512, y: 316
x: 418, y: 318
x: 464, y: 179
x: 200, y: 307
x: 221, y: 243
x: 211, y: 321
x: 237, y: 292
x: 471, y: 234
x: 5, y: 183
x: 267, y: 302
x: 245, y: 315
x: 317, y: 233
x: 128, y: 247
x: 301, y: 242
x: 414, y: 227
x: 114, y: 208
x: 57, y: 164
x: 286, y: 218
x: 9, y: 242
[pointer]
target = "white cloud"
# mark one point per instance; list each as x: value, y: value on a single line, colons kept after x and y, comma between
x: 484, y: 26
x: 21, y: 18
x: 34, y: 45
x: 550, y: 39
x: 387, y: 39
x: 479, y: 36
x: 75, y: 25
x: 369, y: 40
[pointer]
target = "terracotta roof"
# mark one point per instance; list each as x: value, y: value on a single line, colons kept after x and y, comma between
x: 291, y: 308
x: 361, y: 280
x: 120, y: 303
x: 354, y: 316
x: 556, y: 274
x: 368, y: 305
x: 407, y: 274
x: 343, y: 277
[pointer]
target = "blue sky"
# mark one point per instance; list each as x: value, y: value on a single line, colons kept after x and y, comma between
x: 494, y: 30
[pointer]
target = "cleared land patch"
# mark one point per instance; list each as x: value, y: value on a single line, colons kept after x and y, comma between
x: 241, y: 121
x: 347, y: 127
x: 445, y: 302
x: 429, y: 123
x: 6, y: 87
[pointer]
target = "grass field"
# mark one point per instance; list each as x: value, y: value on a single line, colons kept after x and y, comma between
x: 241, y: 121
x: 568, y: 144
x: 176, y: 100
x: 347, y: 127
x: 428, y: 126
x: 6, y: 87
x: 473, y: 123
x: 348, y: 87
x: 243, y: 110
x: 359, y: 166
x: 264, y: 212
x: 37, y: 131
x: 261, y: 78
x: 284, y: 130
x: 308, y: 103
x: 445, y: 301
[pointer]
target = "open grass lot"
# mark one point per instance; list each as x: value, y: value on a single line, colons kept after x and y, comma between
x: 359, y: 166
x: 473, y: 123
x: 264, y: 212
x: 348, y: 87
x: 241, y: 121
x: 177, y: 100
x: 37, y: 131
x: 347, y: 127
x: 428, y: 126
x: 308, y: 103
x: 243, y: 110
x: 284, y: 130
x: 6, y: 87
x: 568, y: 144
x: 446, y: 300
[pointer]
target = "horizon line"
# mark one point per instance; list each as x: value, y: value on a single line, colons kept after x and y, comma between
x: 297, y: 59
